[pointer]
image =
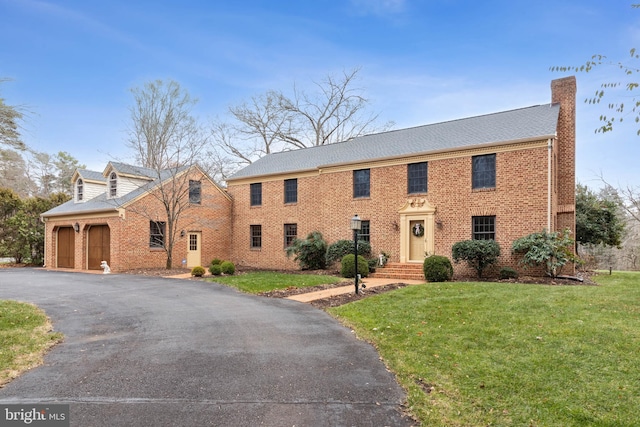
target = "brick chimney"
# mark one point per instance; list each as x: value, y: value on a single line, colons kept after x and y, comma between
x: 563, y: 91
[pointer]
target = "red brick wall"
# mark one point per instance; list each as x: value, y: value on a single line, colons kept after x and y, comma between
x: 520, y: 200
x: 130, y: 235
x: 564, y: 92
x: 326, y: 203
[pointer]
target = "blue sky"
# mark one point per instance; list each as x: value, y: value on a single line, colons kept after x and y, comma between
x: 73, y: 62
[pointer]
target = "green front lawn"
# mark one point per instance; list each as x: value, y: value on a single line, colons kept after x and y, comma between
x: 499, y: 354
x: 265, y: 281
x: 24, y: 338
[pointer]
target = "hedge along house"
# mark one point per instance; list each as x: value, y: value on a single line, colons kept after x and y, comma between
x: 117, y: 216
x: 419, y: 190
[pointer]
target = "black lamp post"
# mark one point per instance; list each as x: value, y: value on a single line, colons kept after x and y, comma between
x: 356, y: 225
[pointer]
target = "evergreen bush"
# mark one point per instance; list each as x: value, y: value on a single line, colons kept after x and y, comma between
x: 227, y: 267
x: 508, y: 273
x: 437, y: 268
x: 197, y: 271
x: 215, y: 269
x: 479, y: 254
x: 310, y: 253
x: 348, y: 268
x: 553, y: 250
x: 339, y: 249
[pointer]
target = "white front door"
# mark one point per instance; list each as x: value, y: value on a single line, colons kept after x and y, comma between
x: 194, y: 249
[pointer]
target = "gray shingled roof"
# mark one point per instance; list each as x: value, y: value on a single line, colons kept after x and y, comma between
x: 126, y: 169
x: 509, y: 126
x: 101, y: 203
x: 88, y: 175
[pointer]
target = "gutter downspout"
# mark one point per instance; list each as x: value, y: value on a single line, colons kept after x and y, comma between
x: 44, y: 252
x: 549, y: 183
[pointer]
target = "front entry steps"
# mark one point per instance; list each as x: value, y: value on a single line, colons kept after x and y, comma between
x: 397, y: 270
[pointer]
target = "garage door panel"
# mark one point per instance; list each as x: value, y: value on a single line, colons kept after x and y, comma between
x: 98, y: 248
x: 66, y: 248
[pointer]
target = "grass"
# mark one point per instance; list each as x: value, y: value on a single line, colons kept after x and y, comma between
x: 265, y: 281
x: 472, y: 354
x: 24, y: 338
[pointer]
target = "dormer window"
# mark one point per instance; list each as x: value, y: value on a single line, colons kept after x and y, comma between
x: 79, y: 190
x: 113, y: 185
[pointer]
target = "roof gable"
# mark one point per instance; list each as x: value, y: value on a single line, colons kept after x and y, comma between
x: 89, y: 176
x: 102, y: 203
x: 523, y: 124
x: 123, y: 169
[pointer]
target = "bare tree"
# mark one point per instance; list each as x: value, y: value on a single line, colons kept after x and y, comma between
x: 167, y: 139
x: 273, y: 122
x: 162, y: 124
x: 628, y: 197
x: 336, y: 112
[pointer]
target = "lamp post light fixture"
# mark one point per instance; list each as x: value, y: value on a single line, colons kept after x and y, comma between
x: 356, y: 225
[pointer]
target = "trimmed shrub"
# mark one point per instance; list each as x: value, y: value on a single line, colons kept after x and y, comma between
x: 216, y: 261
x: 197, y: 271
x: 479, y: 254
x: 508, y: 273
x: 310, y: 253
x: 373, y: 264
x: 339, y: 249
x: 348, y: 268
x: 553, y: 250
x: 215, y: 269
x: 227, y: 267
x: 437, y: 268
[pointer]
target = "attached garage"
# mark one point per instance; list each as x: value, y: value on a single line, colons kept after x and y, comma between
x: 66, y: 248
x: 98, y: 246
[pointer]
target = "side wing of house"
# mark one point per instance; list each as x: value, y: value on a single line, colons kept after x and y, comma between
x: 126, y: 225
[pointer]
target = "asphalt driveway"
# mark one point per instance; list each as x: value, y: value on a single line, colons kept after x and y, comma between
x: 148, y: 351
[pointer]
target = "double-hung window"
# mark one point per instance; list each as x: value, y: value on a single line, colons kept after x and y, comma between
x: 361, y: 183
x: 365, y: 231
x: 113, y: 185
x: 195, y: 192
x: 156, y: 234
x: 291, y: 191
x: 484, y: 227
x: 256, y: 194
x: 417, y: 178
x: 484, y: 171
x: 256, y: 236
x: 80, y: 190
x: 290, y: 234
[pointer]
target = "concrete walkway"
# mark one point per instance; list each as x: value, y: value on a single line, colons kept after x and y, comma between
x: 370, y: 283
x: 326, y: 293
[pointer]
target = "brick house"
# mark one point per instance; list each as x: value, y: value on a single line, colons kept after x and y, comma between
x: 117, y: 216
x: 501, y: 176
